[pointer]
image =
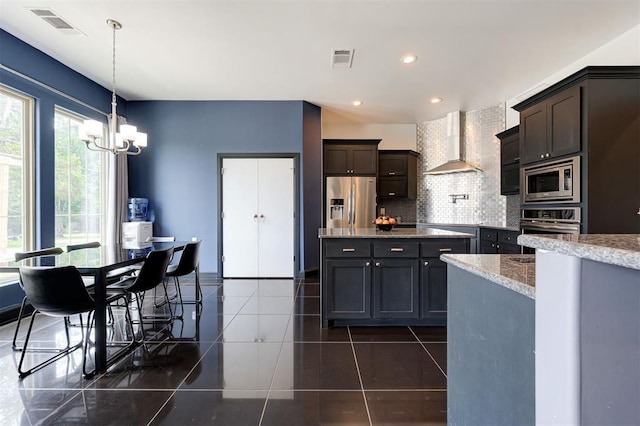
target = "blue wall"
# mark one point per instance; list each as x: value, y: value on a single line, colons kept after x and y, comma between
x: 179, y: 174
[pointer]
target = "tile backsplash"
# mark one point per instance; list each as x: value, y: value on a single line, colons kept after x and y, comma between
x: 480, y: 148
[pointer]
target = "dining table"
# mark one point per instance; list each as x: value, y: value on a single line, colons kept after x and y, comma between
x: 100, y: 263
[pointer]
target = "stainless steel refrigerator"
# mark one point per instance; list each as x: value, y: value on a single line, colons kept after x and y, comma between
x: 351, y: 202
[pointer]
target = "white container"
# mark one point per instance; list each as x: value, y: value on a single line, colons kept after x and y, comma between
x: 135, y: 234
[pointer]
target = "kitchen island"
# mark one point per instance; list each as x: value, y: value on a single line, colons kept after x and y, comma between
x: 371, y: 277
x: 491, y: 339
x: 587, y: 322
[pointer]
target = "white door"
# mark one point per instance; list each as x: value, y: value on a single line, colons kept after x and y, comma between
x: 258, y: 222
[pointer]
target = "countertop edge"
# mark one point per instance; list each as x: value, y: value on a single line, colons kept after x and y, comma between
x: 401, y: 233
x: 517, y: 286
x: 599, y: 253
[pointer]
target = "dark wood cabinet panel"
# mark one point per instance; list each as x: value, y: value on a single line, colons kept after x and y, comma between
x: 551, y: 128
x: 395, y: 288
x: 346, y: 157
x: 510, y: 161
x: 348, y: 288
x: 398, y: 174
x: 499, y: 241
x: 433, y: 289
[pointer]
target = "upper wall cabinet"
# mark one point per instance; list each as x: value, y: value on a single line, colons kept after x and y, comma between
x: 510, y: 161
x: 398, y: 174
x: 351, y: 156
x: 551, y: 128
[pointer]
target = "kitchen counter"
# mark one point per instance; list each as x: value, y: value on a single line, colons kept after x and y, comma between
x: 513, y: 271
x: 614, y: 249
x: 394, y: 233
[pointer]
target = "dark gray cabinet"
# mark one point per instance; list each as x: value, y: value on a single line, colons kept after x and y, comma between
x: 398, y: 174
x: 395, y: 279
x: 500, y: 241
x: 551, y: 128
x: 350, y: 156
x: 386, y: 281
x: 510, y: 161
x: 433, y: 277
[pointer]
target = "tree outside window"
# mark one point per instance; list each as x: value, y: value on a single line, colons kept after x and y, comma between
x: 79, y: 185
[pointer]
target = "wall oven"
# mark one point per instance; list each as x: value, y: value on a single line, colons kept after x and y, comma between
x: 556, y: 181
x: 550, y: 220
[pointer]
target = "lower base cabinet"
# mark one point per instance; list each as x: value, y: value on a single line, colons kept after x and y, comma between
x: 386, y: 281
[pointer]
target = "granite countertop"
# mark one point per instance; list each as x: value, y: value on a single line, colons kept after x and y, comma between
x: 615, y: 249
x: 502, y: 269
x: 394, y: 233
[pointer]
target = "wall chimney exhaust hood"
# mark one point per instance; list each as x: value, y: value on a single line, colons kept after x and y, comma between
x: 454, y: 163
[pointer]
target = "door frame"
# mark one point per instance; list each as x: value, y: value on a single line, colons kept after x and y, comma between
x: 296, y: 202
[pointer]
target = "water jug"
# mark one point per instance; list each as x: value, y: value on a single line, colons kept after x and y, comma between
x: 138, y: 208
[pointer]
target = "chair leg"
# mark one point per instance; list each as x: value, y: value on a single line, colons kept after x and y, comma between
x: 198, y: 290
x: 14, y: 345
x: 60, y: 353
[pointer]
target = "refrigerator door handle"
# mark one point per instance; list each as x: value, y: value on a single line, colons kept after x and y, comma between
x: 353, y: 204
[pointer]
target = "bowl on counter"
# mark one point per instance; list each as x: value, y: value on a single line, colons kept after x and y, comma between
x: 384, y: 227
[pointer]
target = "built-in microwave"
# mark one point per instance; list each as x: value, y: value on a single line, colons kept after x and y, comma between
x: 554, y: 181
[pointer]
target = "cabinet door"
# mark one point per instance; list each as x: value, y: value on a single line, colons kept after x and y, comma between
x: 510, y: 150
x: 433, y: 288
x: 563, y: 117
x: 510, y: 179
x: 533, y: 133
x: 488, y: 247
x: 392, y: 164
x: 337, y: 159
x: 364, y: 159
x: 348, y: 288
x: 391, y: 187
x: 505, y: 248
x: 395, y: 288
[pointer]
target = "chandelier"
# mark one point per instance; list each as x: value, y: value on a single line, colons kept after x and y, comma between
x: 92, y: 133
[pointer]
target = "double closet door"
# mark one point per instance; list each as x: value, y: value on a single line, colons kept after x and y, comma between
x: 258, y: 217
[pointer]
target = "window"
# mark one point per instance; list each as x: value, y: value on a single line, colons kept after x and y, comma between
x: 80, y: 177
x: 16, y: 176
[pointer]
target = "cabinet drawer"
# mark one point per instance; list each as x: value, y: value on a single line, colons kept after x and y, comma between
x: 438, y: 247
x: 509, y: 237
x: 348, y: 248
x: 395, y: 249
x: 488, y: 234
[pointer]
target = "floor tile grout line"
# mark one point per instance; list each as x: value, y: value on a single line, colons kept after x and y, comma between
x: 429, y: 353
x: 275, y: 369
x: 355, y: 359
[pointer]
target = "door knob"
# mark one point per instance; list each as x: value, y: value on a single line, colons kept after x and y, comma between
x: 377, y: 263
x: 426, y: 263
x: 255, y: 216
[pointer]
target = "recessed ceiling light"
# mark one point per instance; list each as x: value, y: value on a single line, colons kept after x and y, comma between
x: 356, y: 103
x: 436, y: 100
x: 409, y: 58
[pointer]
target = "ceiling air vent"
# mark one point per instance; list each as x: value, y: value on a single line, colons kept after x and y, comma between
x: 56, y: 21
x: 341, y: 58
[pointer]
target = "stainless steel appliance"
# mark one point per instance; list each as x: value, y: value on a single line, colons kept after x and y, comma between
x: 350, y: 202
x: 550, y: 220
x: 556, y: 181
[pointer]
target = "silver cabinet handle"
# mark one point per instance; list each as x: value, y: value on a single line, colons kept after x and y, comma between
x: 392, y: 173
x: 515, y: 160
x: 377, y: 263
x: 547, y: 155
x: 348, y: 250
x: 426, y: 263
x: 397, y: 249
x: 392, y: 193
x: 367, y: 264
x: 445, y: 250
x: 541, y: 155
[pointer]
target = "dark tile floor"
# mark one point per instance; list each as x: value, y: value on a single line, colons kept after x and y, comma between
x: 254, y: 354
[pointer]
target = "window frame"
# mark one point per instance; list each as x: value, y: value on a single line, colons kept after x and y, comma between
x: 28, y: 171
x: 104, y: 168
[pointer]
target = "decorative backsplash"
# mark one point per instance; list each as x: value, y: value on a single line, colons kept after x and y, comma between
x: 399, y: 208
x: 477, y: 195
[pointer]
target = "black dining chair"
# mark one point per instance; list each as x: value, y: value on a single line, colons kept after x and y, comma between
x: 151, y: 274
x: 91, y: 244
x: 188, y: 263
x: 26, y: 255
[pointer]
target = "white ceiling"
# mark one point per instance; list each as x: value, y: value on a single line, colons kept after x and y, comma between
x: 473, y: 53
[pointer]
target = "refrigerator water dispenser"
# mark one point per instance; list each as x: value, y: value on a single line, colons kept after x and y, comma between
x: 337, y: 209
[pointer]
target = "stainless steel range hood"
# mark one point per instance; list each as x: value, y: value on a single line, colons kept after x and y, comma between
x: 455, y: 163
